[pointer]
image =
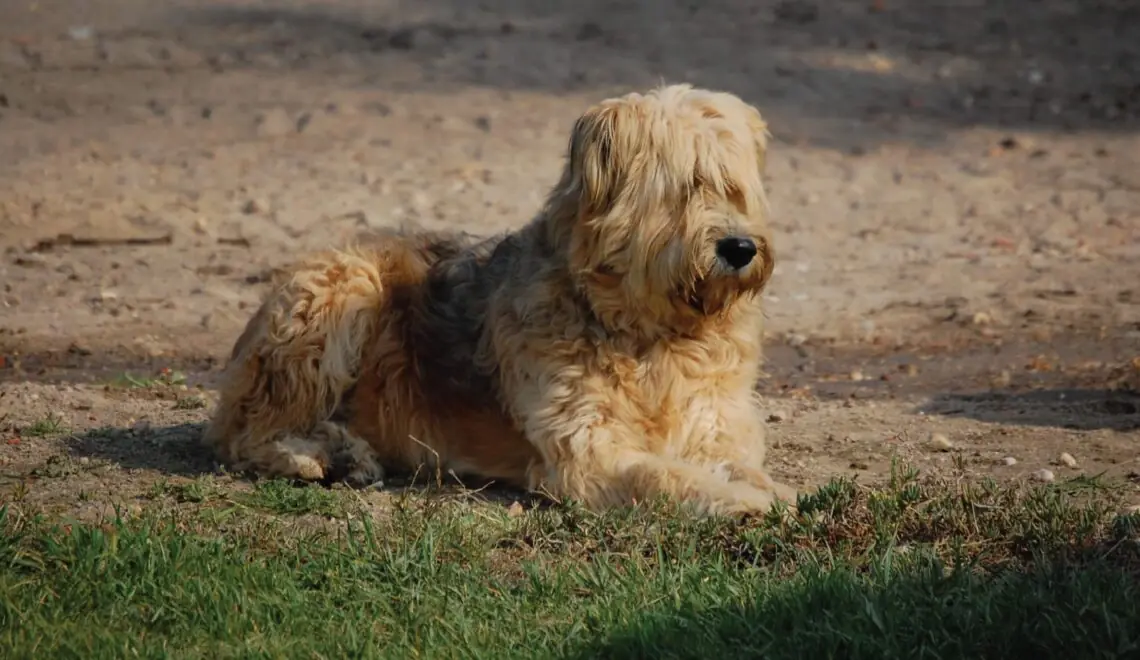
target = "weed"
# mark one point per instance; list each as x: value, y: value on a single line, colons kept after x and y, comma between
x: 49, y: 425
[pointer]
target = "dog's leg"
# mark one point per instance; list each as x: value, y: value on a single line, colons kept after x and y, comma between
x: 297, y: 357
x: 650, y: 474
x: 603, y: 473
x: 759, y: 478
x: 353, y: 453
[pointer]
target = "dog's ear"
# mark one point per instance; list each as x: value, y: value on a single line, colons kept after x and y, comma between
x: 593, y: 161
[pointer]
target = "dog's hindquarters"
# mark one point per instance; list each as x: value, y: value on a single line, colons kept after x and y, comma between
x: 297, y: 358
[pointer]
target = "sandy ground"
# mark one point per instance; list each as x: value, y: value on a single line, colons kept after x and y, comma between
x: 956, y: 193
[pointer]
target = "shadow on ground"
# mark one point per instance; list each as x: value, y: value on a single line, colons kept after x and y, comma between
x: 1078, y: 409
x: 168, y: 450
x: 1024, y: 64
x: 177, y: 450
x: 962, y: 373
x: 914, y: 614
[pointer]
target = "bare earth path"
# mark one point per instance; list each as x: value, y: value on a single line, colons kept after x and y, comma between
x: 956, y: 193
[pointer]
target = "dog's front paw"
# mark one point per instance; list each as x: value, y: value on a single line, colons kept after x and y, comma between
x: 366, y: 476
x: 305, y: 468
x: 785, y: 492
x: 356, y: 471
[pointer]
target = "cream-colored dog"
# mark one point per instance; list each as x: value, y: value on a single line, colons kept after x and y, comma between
x: 606, y: 352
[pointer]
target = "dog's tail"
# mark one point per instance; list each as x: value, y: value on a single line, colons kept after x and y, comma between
x: 304, y: 349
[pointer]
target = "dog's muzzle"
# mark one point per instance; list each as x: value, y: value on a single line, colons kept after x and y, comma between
x: 736, y: 251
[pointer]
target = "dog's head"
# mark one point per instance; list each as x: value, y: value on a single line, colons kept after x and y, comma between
x: 664, y: 207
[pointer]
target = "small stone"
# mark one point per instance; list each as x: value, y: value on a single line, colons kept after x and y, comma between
x: 403, y: 39
x: 30, y: 259
x: 81, y: 32
x: 1009, y: 461
x: 939, y: 442
x: 1002, y: 379
x: 77, y: 347
x: 254, y: 206
x: 856, y: 375
x: 796, y: 339
x: 1067, y: 460
x: 982, y: 318
x: 83, y: 460
x: 777, y: 416
x: 515, y: 510
x: 588, y: 32
x: 796, y: 11
x: 1043, y: 475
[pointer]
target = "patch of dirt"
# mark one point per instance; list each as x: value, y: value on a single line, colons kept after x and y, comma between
x: 955, y: 192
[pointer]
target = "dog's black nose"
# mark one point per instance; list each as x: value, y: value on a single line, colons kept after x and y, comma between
x: 736, y: 251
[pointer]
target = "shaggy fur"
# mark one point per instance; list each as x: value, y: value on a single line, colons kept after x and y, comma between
x: 606, y: 352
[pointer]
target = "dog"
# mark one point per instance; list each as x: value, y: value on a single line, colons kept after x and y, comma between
x: 606, y: 352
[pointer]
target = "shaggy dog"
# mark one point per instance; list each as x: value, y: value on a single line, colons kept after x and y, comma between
x: 606, y: 352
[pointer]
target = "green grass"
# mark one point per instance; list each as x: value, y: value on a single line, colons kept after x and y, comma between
x: 52, y: 424
x: 918, y: 569
x: 165, y: 378
x: 193, y: 402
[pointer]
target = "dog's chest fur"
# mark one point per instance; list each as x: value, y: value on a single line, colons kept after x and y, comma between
x: 450, y: 339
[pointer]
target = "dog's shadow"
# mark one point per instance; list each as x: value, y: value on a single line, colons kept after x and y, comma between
x: 175, y: 450
x: 178, y: 450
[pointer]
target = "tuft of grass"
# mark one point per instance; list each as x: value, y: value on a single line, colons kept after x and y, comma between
x: 283, y: 496
x: 193, y: 402
x: 199, y: 491
x: 165, y: 377
x: 916, y: 569
x: 49, y: 425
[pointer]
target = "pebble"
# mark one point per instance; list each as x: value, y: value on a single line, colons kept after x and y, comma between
x: 939, y: 442
x: 254, y: 206
x: 856, y: 375
x: 1043, y: 475
x: 515, y: 510
x: 81, y: 32
x: 796, y: 339
x: 30, y: 259
x: 1009, y: 461
x: 1067, y: 460
x: 777, y: 416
